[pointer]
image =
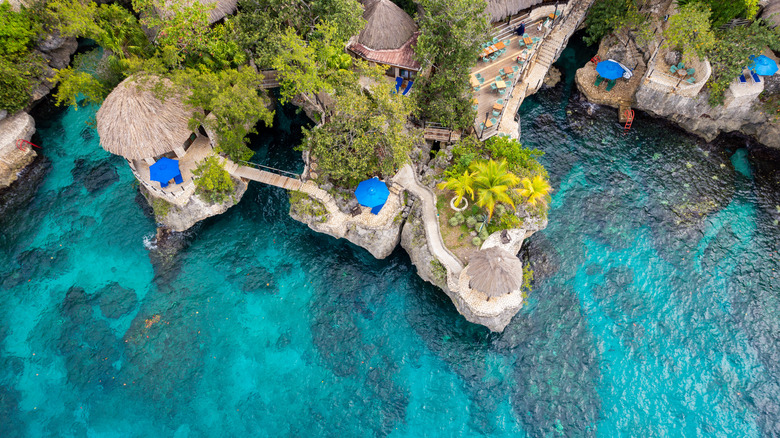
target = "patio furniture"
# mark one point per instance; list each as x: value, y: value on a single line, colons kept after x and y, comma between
x: 742, y: 79
x: 682, y: 72
x: 478, y: 75
x: 500, y: 102
x: 535, y: 39
x: 408, y: 87
x: 520, y: 43
x: 501, y: 91
x: 476, y: 88
x: 398, y: 82
x: 493, y: 86
x: 673, y: 69
x: 690, y: 80
x: 481, y: 80
x: 528, y: 41
x: 498, y: 79
x: 496, y: 113
x: 489, y: 123
x: 598, y: 82
x: 509, y: 76
x: 493, y: 121
x: 691, y: 71
x: 481, y: 126
x: 507, y: 42
x: 515, y: 69
x: 756, y: 79
x: 495, y: 40
x: 474, y: 107
x: 680, y: 65
x: 610, y: 85
x: 500, y: 84
x: 497, y: 106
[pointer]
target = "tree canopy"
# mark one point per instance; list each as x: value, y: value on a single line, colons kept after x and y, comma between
x: 451, y: 32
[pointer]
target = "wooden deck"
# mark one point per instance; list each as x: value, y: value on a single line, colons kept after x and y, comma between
x: 441, y: 134
x: 269, y: 178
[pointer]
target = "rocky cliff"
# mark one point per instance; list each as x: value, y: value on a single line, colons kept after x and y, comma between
x: 175, y: 218
x: 15, y: 155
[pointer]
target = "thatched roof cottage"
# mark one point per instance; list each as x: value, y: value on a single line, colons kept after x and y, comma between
x: 137, y: 125
x: 388, y: 38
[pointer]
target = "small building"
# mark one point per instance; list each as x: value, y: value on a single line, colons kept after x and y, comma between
x: 388, y: 38
x: 137, y: 125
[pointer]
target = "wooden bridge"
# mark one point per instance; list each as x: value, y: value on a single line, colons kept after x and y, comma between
x: 269, y: 79
x: 437, y: 132
x: 268, y: 175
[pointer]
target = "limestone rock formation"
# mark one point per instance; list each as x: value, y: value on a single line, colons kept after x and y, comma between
x: 13, y: 159
x: 195, y: 210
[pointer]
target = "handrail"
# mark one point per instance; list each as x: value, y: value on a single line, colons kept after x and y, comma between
x: 270, y: 169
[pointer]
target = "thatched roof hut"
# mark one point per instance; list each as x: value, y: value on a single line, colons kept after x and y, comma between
x: 388, y: 37
x: 500, y: 9
x: 495, y: 272
x: 221, y: 9
x: 771, y: 12
x: 134, y: 123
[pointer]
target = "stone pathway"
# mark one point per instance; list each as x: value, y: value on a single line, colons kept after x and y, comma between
x: 407, y: 179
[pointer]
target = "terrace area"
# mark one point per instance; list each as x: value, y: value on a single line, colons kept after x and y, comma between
x: 502, y: 63
x: 177, y: 194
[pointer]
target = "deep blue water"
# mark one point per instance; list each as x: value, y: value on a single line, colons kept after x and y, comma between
x: 654, y: 311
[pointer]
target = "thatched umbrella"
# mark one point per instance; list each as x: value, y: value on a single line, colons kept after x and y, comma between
x: 387, y: 26
x: 495, y: 272
x: 500, y: 9
x: 134, y: 123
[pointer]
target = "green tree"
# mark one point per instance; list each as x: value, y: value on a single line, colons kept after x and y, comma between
x: 18, y: 31
x: 212, y: 182
x: 611, y: 16
x: 461, y: 185
x: 234, y: 99
x: 451, y: 32
x: 724, y: 10
x: 260, y: 23
x: 535, y: 190
x: 522, y: 161
x: 732, y: 51
x: 492, y: 184
x: 364, y: 134
x: 689, y: 30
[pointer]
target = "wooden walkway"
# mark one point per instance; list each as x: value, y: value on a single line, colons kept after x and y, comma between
x: 270, y: 80
x: 269, y: 178
x: 441, y: 134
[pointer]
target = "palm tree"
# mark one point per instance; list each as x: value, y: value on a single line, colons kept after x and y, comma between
x: 535, y: 190
x: 461, y: 185
x: 493, y: 183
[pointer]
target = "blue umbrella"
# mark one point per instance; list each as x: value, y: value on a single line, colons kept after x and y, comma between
x: 609, y: 69
x: 165, y: 169
x: 372, y: 192
x: 763, y: 65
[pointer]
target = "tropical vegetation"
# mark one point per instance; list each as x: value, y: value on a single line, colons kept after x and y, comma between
x: 212, y: 182
x: 19, y: 65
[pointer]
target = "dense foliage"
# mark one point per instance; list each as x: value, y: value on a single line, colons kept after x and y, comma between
x: 364, y: 135
x: 212, y: 182
x: 448, y: 45
x: 725, y: 10
x: 19, y: 66
x: 610, y: 16
x: 731, y: 53
x: 260, y: 24
x: 689, y: 31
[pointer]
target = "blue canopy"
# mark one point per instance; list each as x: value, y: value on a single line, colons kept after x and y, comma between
x: 165, y: 169
x: 763, y: 65
x: 609, y: 69
x: 372, y: 192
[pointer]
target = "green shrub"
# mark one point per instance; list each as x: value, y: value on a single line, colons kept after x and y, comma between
x: 161, y: 207
x: 483, y: 234
x: 212, y: 182
x: 459, y: 216
x: 476, y: 241
x: 438, y: 270
x: 453, y: 221
x: 18, y: 32
x: 471, y: 221
x: 528, y: 278
x: 302, y: 204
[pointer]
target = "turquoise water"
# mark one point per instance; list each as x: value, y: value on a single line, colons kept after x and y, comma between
x: 654, y: 310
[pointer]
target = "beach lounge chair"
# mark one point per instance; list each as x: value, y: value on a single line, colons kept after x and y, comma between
x: 598, y: 82
x: 398, y: 81
x: 742, y: 79
x: 756, y: 79
x: 408, y: 87
x: 610, y: 85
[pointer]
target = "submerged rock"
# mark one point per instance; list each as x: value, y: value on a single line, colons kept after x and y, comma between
x: 116, y: 301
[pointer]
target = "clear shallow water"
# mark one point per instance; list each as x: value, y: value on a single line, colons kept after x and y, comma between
x: 654, y: 313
